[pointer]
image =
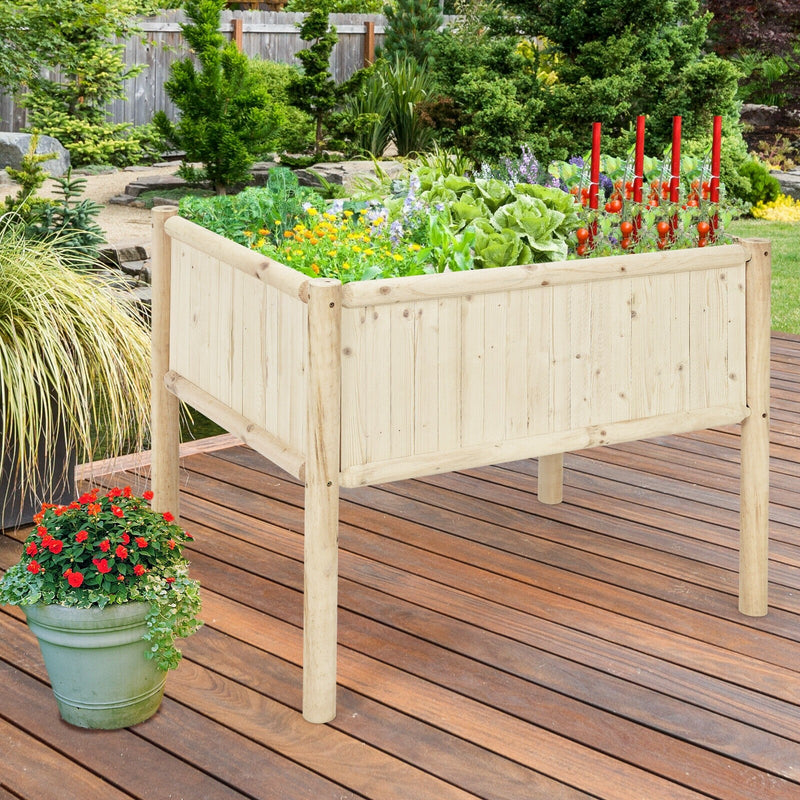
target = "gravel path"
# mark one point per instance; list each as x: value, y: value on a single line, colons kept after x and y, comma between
x: 121, y: 224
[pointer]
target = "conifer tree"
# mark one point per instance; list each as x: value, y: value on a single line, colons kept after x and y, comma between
x: 226, y: 117
x: 410, y: 24
x: 315, y: 91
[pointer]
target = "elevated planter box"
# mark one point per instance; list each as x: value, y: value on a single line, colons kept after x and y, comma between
x: 384, y: 380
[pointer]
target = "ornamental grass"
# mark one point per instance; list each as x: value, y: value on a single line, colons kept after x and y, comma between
x: 74, y: 360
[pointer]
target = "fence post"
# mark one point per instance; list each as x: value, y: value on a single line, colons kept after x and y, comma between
x: 754, y: 489
x: 369, y: 43
x: 321, y: 529
x: 236, y: 22
x: 165, y: 414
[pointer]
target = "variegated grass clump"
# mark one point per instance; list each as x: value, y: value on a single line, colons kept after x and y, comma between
x: 74, y: 360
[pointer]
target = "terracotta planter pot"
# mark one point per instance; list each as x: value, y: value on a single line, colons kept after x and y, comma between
x: 95, y: 659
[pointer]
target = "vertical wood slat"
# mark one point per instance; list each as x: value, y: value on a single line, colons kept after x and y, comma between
x: 754, y: 490
x: 322, y: 500
x: 165, y: 428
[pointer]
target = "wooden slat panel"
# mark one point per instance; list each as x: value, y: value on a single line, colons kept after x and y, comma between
x: 426, y: 376
x: 402, y: 380
x: 472, y: 369
x: 495, y: 316
x: 450, y: 386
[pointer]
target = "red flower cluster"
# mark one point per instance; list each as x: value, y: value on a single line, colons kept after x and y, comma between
x: 98, y: 538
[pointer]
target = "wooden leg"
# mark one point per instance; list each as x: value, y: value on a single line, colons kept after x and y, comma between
x: 322, y: 501
x: 165, y: 419
x: 551, y: 478
x: 754, y: 522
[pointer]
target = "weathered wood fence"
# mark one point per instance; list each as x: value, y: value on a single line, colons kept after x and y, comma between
x: 269, y: 35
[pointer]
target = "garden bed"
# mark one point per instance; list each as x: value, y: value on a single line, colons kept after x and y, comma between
x: 389, y: 379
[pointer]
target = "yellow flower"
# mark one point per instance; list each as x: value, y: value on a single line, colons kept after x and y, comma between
x: 397, y: 257
x: 288, y: 234
x: 276, y: 222
x: 347, y: 214
x: 346, y: 265
x: 297, y: 252
x: 313, y: 240
x: 264, y: 231
x: 356, y: 248
x: 247, y: 233
x: 315, y: 267
x: 415, y: 248
x: 312, y: 212
x: 331, y: 253
x: 369, y: 252
x: 261, y: 242
x: 376, y: 222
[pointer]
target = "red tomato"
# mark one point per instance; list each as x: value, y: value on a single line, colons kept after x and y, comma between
x: 582, y: 234
x: 703, y: 228
x: 662, y: 228
x: 625, y: 243
x: 701, y: 242
x: 581, y: 250
x: 626, y: 228
x: 614, y: 206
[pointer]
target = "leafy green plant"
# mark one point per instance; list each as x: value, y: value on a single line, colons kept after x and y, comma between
x: 109, y: 549
x: 74, y: 360
x: 764, y: 188
x: 296, y: 132
x: 226, y: 115
x: 273, y: 209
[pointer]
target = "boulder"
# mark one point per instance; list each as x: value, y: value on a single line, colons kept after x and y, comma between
x: 345, y: 173
x: 790, y: 182
x: 14, y: 147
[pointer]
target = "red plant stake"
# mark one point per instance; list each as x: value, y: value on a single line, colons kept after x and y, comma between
x: 716, y: 148
x: 594, y: 175
x: 638, y: 172
x: 675, y: 171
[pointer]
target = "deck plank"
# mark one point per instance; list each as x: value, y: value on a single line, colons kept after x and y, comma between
x: 489, y: 646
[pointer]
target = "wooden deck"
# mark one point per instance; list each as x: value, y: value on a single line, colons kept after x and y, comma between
x: 489, y: 646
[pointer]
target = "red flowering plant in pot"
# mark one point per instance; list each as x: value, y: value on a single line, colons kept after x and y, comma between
x: 100, y: 558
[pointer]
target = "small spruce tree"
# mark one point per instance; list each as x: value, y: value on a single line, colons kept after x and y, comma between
x: 227, y: 118
x: 314, y: 90
x: 410, y: 25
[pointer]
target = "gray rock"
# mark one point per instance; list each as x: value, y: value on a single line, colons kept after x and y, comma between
x: 345, y: 173
x: 14, y: 146
x: 768, y: 118
x: 790, y: 182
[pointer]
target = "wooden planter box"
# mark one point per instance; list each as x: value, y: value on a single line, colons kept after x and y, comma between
x: 384, y: 380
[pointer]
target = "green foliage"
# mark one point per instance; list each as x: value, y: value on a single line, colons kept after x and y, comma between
x: 226, y: 116
x: 410, y: 26
x: 764, y: 188
x: 107, y: 550
x: 315, y: 90
x: 407, y: 85
x: 89, y: 142
x: 74, y: 72
x: 616, y: 59
x: 69, y: 221
x: 65, y: 335
x: 296, y: 132
x: 30, y: 177
x: 272, y: 209
x: 485, y: 90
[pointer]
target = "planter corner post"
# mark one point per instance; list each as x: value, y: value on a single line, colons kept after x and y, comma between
x: 165, y: 413
x: 754, y: 521
x: 321, y: 528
